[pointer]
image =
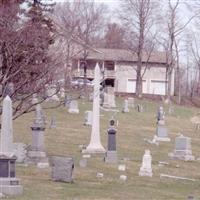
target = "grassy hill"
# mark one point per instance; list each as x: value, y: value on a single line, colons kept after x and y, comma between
x: 133, y: 127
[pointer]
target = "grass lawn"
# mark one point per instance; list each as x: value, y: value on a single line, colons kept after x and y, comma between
x: 133, y: 127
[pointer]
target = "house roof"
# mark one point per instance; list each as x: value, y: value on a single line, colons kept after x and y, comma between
x: 123, y: 55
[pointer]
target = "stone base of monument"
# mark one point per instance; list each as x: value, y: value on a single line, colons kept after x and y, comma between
x: 145, y: 172
x: 161, y: 139
x: 37, y: 157
x: 73, y: 111
x: 185, y: 155
x: 111, y: 157
x: 161, y: 134
x: 93, y: 150
x: 10, y: 187
x: 62, y: 169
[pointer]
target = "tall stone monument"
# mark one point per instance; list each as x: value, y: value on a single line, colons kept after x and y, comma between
x: 95, y: 145
x: 145, y: 169
x: 183, y: 150
x: 161, y: 130
x: 36, y: 153
x: 9, y: 184
x: 111, y: 154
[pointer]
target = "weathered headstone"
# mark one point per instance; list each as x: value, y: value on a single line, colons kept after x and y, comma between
x: 88, y: 118
x: 62, y: 169
x: 145, y: 169
x: 95, y: 145
x: 122, y: 167
x: 51, y: 93
x: 52, y: 122
x: 36, y: 153
x: 20, y: 150
x: 73, y: 107
x: 140, y: 108
x: 9, y: 184
x: 131, y: 102
x: 125, y: 108
x: 111, y: 154
x: 161, y: 130
x: 109, y: 98
x: 183, y: 149
x: 123, y: 177
x: 83, y: 163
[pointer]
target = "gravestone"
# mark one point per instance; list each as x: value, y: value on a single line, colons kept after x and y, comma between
x: 123, y: 178
x: 109, y: 98
x: 183, y: 149
x: 145, y: 169
x: 131, y: 102
x: 88, y: 118
x: 73, y: 107
x: 125, y: 108
x: 62, y: 169
x: 10, y: 185
x: 95, y: 145
x: 83, y: 163
x: 140, y: 108
x: 36, y: 153
x: 20, y: 150
x: 52, y: 122
x: 161, y: 130
x: 111, y: 154
x: 122, y: 167
x: 51, y: 93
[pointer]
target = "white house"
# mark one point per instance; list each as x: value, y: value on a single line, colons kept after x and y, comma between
x: 119, y: 70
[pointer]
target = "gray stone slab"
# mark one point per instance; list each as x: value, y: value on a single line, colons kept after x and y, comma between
x: 83, y: 163
x: 162, y: 131
x: 111, y: 157
x: 20, y: 150
x: 62, y: 169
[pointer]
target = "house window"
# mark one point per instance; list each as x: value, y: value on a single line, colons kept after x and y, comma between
x: 109, y: 66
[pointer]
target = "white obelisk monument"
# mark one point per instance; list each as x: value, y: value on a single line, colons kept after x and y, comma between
x: 7, y: 128
x: 95, y: 145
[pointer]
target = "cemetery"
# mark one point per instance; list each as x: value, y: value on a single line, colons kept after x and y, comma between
x: 99, y: 100
x: 125, y: 164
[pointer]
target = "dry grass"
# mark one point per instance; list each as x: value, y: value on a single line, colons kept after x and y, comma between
x: 133, y: 128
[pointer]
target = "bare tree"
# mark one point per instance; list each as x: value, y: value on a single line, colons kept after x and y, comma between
x: 138, y: 16
x: 25, y: 63
x: 175, y: 27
